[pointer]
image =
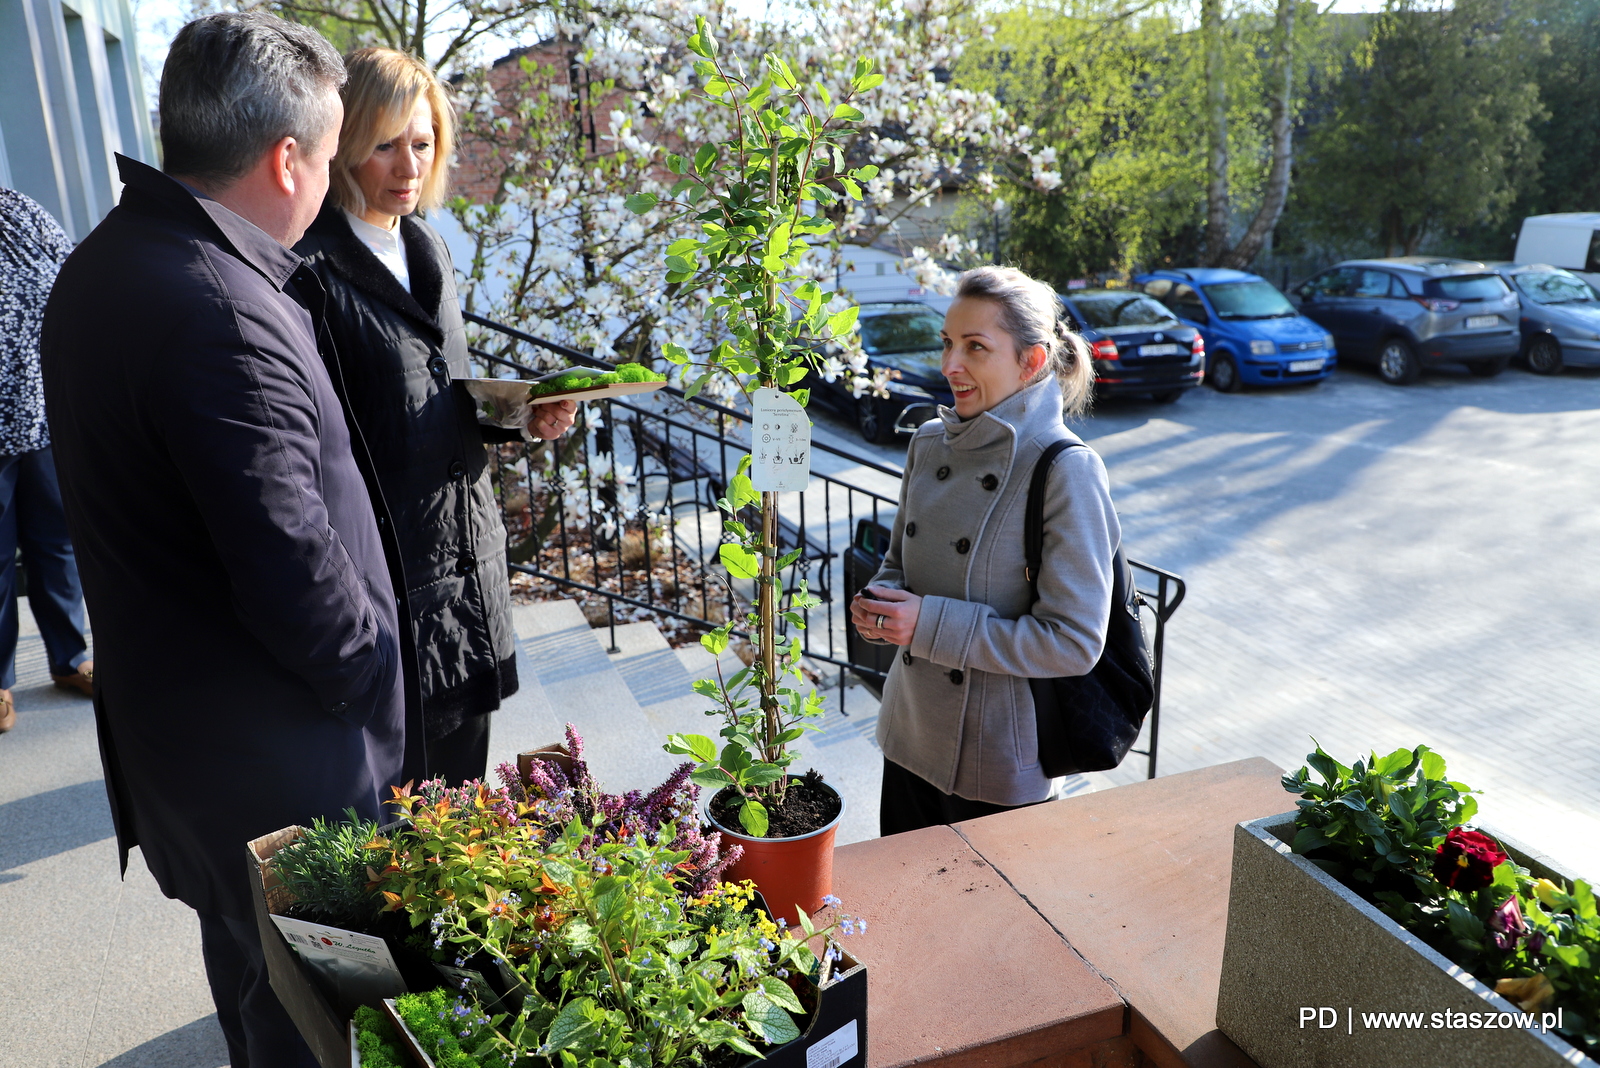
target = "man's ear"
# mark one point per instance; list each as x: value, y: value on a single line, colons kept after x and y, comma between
x: 285, y: 164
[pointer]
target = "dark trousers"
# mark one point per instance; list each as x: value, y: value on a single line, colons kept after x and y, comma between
x: 31, y: 517
x: 909, y: 803
x: 463, y: 753
x: 259, y: 1033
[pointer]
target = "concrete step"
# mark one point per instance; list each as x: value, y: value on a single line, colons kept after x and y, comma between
x: 581, y: 685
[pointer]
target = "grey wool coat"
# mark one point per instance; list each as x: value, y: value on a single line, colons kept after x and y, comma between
x: 957, y: 710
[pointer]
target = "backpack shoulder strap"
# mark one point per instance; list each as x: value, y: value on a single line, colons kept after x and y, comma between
x: 1033, y: 517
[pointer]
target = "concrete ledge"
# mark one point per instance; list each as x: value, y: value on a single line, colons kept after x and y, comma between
x: 960, y: 969
x: 1086, y: 932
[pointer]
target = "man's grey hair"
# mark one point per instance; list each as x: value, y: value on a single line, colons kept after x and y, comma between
x: 235, y: 84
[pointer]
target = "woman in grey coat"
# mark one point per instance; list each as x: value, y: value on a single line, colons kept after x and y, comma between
x: 956, y: 725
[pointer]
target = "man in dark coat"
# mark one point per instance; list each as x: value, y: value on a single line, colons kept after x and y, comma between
x: 233, y: 547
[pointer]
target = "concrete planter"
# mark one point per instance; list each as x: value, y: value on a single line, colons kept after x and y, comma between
x: 1299, y: 944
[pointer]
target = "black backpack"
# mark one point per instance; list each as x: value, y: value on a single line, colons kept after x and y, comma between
x: 1089, y: 722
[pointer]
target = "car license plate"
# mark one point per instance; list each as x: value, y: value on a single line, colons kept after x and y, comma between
x: 1159, y: 350
x: 1475, y: 322
x: 1305, y: 365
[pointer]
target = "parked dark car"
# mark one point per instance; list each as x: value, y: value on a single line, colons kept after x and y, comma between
x: 1139, y: 346
x: 1560, y: 317
x: 1406, y: 313
x: 1253, y: 336
x: 902, y: 336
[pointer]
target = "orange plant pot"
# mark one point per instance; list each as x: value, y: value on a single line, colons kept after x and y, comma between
x: 787, y: 871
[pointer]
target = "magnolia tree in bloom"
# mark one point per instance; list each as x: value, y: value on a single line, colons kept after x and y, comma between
x: 561, y: 142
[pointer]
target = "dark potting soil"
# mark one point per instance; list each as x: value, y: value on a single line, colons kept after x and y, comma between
x: 807, y: 806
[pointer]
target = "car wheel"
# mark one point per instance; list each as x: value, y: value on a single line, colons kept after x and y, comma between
x: 1397, y: 363
x: 1223, y: 374
x: 1488, y: 368
x: 873, y: 422
x: 1544, y: 355
x: 1167, y: 396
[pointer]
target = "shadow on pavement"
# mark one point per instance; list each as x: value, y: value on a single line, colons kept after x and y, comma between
x: 56, y: 821
x: 194, y: 1045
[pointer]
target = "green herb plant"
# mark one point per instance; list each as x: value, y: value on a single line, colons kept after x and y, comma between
x: 1377, y: 823
x: 759, y: 197
x: 325, y: 868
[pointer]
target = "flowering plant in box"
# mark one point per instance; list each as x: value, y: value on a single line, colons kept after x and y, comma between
x: 1392, y: 829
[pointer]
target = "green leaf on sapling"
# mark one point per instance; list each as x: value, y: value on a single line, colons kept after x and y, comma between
x: 716, y: 641
x: 867, y: 173
x: 762, y: 775
x: 753, y: 817
x: 674, y: 353
x: 846, y: 112
x: 788, y: 376
x: 843, y: 322
x: 711, y: 778
x: 698, y: 746
x: 867, y: 84
x: 676, y: 163
x: 739, y: 561
x: 705, y: 157
x: 801, y: 397
x: 639, y: 203
x: 851, y: 188
x: 717, y: 86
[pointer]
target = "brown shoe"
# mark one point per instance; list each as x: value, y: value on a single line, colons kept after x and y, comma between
x: 8, y: 711
x: 81, y: 680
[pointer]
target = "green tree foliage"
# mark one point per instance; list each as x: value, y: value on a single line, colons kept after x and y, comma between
x: 1569, y: 86
x: 1429, y: 129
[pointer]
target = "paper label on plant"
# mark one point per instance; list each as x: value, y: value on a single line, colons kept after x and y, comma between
x: 834, y: 1050
x: 358, y: 967
x: 780, y: 447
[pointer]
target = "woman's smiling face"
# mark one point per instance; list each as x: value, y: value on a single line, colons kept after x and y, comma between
x: 980, y: 359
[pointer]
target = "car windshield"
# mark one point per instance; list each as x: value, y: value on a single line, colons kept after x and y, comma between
x: 1105, y: 310
x: 901, y: 331
x: 1555, y: 287
x: 1466, y: 287
x: 1248, y: 300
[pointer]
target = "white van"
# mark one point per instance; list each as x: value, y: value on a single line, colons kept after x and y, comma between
x: 1570, y: 239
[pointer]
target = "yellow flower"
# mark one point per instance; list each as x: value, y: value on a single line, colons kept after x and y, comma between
x: 1548, y: 893
x: 1530, y: 994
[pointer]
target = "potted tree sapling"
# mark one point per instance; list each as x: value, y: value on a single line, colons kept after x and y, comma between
x: 760, y: 196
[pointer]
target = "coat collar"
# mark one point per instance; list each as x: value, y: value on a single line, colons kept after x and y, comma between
x: 346, y: 254
x: 1023, y: 415
x: 247, y: 241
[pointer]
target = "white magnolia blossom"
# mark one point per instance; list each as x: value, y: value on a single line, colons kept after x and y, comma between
x: 559, y: 254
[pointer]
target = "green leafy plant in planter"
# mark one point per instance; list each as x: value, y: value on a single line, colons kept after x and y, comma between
x: 1393, y: 829
x: 325, y: 868
x: 760, y: 196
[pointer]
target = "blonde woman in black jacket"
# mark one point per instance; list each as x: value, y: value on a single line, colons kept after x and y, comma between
x: 396, y: 322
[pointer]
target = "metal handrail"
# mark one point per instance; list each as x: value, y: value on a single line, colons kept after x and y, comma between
x: 1163, y: 600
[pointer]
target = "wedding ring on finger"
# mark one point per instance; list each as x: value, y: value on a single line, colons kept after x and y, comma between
x: 880, y: 622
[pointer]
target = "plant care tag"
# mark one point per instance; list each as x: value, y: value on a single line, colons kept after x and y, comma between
x: 834, y: 1050
x: 356, y: 968
x: 780, y: 446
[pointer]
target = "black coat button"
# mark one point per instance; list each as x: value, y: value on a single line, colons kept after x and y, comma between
x: 963, y: 546
x: 942, y: 474
x: 466, y: 563
x: 439, y: 367
x: 381, y: 521
x: 989, y: 482
x: 458, y: 469
x: 911, y: 530
x: 958, y: 676
x: 340, y: 707
x: 905, y: 657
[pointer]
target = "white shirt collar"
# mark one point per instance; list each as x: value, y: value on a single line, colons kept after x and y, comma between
x: 387, y: 245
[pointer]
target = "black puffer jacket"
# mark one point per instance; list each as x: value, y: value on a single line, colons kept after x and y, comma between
x: 402, y: 355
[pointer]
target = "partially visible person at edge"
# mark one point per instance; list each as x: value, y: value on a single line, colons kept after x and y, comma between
x: 32, y: 248
x: 396, y: 322
x: 956, y: 725
x: 251, y: 672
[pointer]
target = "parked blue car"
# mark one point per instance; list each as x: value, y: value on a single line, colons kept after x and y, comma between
x: 1560, y: 316
x: 1253, y: 335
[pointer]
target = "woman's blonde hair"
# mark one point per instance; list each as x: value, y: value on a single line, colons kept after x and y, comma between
x: 1031, y: 313
x: 383, y: 90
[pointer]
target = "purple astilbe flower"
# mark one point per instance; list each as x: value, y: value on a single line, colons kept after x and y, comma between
x: 581, y: 779
x: 664, y: 803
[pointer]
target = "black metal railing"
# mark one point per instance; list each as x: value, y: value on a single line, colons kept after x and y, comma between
x: 623, y: 513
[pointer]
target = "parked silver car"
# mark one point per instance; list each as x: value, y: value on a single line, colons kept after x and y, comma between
x: 1411, y: 312
x: 1560, y: 316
